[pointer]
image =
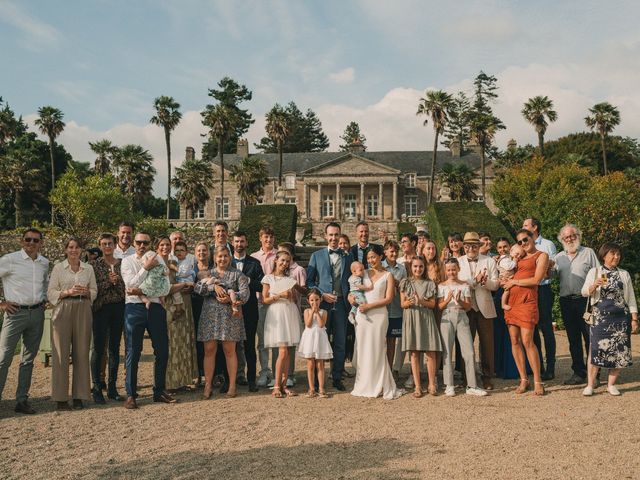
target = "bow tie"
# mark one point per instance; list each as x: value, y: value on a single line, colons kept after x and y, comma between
x: 475, y: 260
x: 336, y: 252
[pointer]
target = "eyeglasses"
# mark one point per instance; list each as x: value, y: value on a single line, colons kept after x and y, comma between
x: 523, y: 240
x: 570, y: 237
x: 31, y: 240
x: 142, y: 242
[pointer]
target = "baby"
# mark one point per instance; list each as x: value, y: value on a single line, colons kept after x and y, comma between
x: 235, y: 311
x: 507, y: 268
x: 357, y: 288
x: 156, y: 283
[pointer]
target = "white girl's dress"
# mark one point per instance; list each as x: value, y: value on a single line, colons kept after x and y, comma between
x: 314, y: 342
x: 282, y: 321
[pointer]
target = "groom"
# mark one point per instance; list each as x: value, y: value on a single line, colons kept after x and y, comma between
x: 329, y: 271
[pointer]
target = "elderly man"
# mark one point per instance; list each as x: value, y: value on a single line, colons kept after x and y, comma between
x: 361, y: 248
x: 481, y: 274
x: 125, y: 235
x: 571, y: 266
x: 24, y: 279
x: 545, y: 303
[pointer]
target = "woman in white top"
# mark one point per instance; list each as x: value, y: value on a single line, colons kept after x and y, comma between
x: 373, y: 374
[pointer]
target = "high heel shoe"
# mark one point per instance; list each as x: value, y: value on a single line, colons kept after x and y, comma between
x: 523, y: 387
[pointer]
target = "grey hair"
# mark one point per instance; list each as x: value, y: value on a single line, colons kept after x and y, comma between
x: 573, y: 226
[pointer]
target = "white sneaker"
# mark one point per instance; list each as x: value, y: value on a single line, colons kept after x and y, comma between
x: 290, y: 382
x: 450, y: 391
x: 263, y: 379
x: 409, y: 383
x: 476, y: 392
x: 613, y: 390
x: 271, y: 383
x: 588, y: 391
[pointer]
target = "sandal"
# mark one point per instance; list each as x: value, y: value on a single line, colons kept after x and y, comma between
x: 290, y: 393
x: 417, y: 393
x: 523, y: 387
x: 277, y: 393
x: 323, y: 394
x: 208, y: 391
x: 539, y: 391
x: 433, y: 391
x: 232, y: 393
x: 311, y: 394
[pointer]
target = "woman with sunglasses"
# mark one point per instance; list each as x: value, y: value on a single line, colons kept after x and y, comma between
x: 523, y: 316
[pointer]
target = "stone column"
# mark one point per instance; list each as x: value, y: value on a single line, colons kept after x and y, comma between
x: 395, y: 200
x: 320, y: 200
x: 363, y: 206
x: 305, y: 203
x: 380, y: 205
x: 337, y: 205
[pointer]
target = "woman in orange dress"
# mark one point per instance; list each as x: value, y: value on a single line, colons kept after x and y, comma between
x: 522, y: 318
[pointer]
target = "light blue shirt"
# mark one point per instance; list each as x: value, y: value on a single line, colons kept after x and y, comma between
x: 399, y: 272
x: 548, y: 247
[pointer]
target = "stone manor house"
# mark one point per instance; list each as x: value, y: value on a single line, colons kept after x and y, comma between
x: 382, y: 188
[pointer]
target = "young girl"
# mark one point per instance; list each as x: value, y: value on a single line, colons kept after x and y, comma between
x: 454, y: 300
x: 282, y: 320
x: 419, y: 328
x: 314, y: 343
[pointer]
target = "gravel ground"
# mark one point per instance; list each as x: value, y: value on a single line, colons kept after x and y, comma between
x: 562, y: 435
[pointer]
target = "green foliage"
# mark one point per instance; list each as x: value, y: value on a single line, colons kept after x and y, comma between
x: 305, y: 133
x: 406, y: 227
x: 153, y: 226
x: 352, y: 136
x: 282, y: 218
x: 86, y: 206
x: 539, y: 112
x: 459, y: 178
x: 457, y: 128
x: 251, y: 176
x: 134, y: 172
x: 155, y: 207
x: 106, y: 153
x: 193, y: 181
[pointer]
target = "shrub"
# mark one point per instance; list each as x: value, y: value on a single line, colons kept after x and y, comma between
x: 282, y: 218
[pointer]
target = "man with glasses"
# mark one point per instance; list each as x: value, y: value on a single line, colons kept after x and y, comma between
x: 24, y: 279
x: 545, y: 303
x: 572, y: 265
x: 125, y: 235
x: 408, y: 243
x: 138, y: 318
x: 481, y: 273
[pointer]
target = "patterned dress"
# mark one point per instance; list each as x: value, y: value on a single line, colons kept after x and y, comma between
x: 216, y: 321
x: 611, y: 329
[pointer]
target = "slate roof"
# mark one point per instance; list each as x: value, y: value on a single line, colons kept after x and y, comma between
x: 405, y: 161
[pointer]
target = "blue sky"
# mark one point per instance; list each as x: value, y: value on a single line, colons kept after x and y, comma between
x: 103, y: 62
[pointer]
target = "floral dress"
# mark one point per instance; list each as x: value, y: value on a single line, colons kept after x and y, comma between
x: 611, y: 329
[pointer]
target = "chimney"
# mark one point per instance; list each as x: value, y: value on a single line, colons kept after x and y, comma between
x: 190, y: 154
x: 454, y: 146
x: 512, y: 145
x: 242, y: 148
x: 356, y: 146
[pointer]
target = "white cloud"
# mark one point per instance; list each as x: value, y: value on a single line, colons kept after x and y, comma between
x: 347, y: 75
x: 38, y: 35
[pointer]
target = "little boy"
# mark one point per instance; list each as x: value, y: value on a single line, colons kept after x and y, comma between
x: 357, y: 288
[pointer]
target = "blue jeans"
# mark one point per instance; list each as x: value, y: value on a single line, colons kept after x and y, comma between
x: 108, y: 323
x: 137, y: 319
x: 337, y: 328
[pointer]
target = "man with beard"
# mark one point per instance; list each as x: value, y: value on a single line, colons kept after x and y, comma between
x: 572, y: 265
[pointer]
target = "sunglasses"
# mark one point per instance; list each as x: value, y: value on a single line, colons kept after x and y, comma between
x: 523, y: 240
x: 142, y: 242
x: 31, y: 240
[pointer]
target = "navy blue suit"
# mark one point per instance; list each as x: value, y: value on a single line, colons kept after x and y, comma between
x: 354, y: 253
x: 320, y: 276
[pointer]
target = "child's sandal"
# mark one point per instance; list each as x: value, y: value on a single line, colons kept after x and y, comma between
x: 290, y: 393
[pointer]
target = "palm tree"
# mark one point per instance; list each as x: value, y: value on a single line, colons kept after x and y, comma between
x: 278, y: 129
x: 168, y: 117
x: 135, y: 172
x: 222, y: 122
x: 16, y: 176
x: 50, y: 124
x: 251, y: 176
x: 459, y: 179
x: 105, y: 152
x: 436, y: 104
x: 539, y: 112
x: 193, y: 180
x: 603, y: 119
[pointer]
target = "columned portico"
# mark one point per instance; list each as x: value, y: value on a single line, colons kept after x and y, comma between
x: 395, y: 200
x: 363, y: 210
x: 338, y: 212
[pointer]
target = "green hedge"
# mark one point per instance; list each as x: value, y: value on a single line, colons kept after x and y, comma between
x: 406, y: 227
x: 282, y: 218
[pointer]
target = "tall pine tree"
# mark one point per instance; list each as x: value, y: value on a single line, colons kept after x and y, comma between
x: 305, y: 133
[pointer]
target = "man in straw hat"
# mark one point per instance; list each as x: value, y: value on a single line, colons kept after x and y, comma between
x: 481, y: 273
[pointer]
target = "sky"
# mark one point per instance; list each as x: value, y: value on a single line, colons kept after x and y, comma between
x: 103, y: 62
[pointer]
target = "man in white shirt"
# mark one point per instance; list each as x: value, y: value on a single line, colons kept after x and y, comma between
x: 481, y: 274
x: 24, y: 278
x: 361, y: 248
x: 124, y: 247
x: 545, y: 303
x: 138, y: 318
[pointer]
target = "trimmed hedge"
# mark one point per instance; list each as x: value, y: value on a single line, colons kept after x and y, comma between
x: 282, y: 218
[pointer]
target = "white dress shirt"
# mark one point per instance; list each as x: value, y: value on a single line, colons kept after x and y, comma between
x: 133, y: 274
x: 24, y: 280
x: 548, y: 247
x: 120, y: 254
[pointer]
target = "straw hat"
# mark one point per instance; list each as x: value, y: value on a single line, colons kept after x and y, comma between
x: 471, y: 237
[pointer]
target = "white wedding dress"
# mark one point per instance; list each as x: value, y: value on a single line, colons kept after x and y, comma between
x: 373, y: 375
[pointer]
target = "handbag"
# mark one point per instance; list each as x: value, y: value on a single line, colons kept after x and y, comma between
x: 587, y: 316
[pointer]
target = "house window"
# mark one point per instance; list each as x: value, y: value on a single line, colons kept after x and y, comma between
x: 198, y: 213
x: 410, y: 180
x: 290, y: 200
x: 372, y: 205
x: 350, y: 206
x: 222, y: 210
x: 411, y: 205
x: 290, y: 182
x: 327, y: 206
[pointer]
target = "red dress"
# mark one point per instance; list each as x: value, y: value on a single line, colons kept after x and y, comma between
x: 524, y: 300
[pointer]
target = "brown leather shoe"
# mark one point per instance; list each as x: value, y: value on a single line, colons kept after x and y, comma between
x: 487, y: 385
x: 130, y: 404
x: 164, y: 398
x: 24, y: 407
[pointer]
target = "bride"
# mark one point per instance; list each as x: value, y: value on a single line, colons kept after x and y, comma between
x: 373, y: 374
